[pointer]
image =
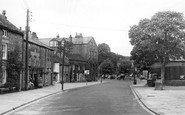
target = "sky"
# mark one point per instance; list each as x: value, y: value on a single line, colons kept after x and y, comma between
x: 108, y: 21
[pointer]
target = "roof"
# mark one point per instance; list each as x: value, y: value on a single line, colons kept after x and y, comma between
x: 35, y: 40
x: 76, y: 57
x: 84, y: 40
x: 7, y: 24
x: 45, y: 40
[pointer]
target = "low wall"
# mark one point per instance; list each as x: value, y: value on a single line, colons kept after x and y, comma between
x: 175, y: 82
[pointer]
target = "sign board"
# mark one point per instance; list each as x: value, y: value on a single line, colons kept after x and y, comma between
x: 86, y: 72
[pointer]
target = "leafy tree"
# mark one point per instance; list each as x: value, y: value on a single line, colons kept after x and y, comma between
x: 107, y: 67
x: 160, y: 38
x: 125, y: 66
x: 14, y: 67
x: 103, y: 52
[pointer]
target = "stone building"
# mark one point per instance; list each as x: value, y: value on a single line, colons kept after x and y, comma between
x: 57, y: 58
x: 40, y: 63
x: 82, y: 55
x: 87, y: 48
x: 10, y: 38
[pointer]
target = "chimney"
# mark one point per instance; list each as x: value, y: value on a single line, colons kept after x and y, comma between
x: 70, y: 38
x: 4, y: 14
x: 58, y: 36
x: 34, y: 35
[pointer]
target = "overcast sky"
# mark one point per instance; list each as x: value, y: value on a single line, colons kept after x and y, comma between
x: 108, y: 21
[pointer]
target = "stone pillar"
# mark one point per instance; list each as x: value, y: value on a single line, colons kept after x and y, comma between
x: 0, y: 57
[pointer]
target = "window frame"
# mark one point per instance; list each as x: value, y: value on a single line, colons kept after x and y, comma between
x: 5, y: 33
x: 4, y: 76
x: 4, y: 51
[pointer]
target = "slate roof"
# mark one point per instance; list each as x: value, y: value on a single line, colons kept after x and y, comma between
x: 45, y: 40
x: 85, y: 40
x: 76, y: 57
x: 8, y: 25
x: 36, y: 41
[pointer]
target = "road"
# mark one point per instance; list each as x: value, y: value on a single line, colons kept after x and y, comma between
x: 112, y: 98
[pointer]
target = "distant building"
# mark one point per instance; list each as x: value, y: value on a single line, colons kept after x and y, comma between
x: 57, y: 58
x: 82, y: 55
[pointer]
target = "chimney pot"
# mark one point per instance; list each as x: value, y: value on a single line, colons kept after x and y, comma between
x: 4, y: 13
x: 58, y: 36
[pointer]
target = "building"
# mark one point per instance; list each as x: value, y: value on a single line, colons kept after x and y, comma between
x: 82, y: 55
x: 87, y: 48
x: 40, y: 63
x: 57, y: 59
x: 174, y: 72
x: 11, y: 40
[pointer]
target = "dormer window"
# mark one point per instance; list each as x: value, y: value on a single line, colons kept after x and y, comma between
x: 53, y: 43
x: 5, y: 33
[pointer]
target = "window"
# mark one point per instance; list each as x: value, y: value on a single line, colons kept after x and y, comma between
x: 5, y: 33
x: 4, y: 51
x: 4, y: 77
x: 55, y: 43
x: 51, y: 43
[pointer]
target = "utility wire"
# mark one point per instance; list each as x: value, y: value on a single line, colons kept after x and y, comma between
x: 78, y: 26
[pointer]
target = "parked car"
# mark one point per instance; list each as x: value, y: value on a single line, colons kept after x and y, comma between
x: 141, y: 77
x: 151, y: 80
x: 121, y: 76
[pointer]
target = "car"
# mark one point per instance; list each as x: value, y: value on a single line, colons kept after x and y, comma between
x: 141, y: 77
x: 121, y: 76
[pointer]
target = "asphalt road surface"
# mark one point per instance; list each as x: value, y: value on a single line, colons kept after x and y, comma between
x: 112, y: 98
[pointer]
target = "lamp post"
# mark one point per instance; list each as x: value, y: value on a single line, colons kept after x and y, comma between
x: 133, y: 66
x: 63, y: 56
x: 135, y: 82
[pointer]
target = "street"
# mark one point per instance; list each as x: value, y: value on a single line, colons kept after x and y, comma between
x: 112, y: 98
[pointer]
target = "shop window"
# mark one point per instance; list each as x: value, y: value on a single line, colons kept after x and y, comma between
x: 4, y: 51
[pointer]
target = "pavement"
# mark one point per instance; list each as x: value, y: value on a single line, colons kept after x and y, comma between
x: 170, y: 101
x: 12, y: 101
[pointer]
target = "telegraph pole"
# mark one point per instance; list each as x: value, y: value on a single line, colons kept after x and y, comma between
x: 63, y: 61
x: 26, y: 58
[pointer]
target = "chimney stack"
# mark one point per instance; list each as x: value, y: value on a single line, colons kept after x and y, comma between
x: 70, y: 38
x: 58, y: 36
x: 4, y: 14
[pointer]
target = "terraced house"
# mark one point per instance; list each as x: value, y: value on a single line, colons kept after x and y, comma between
x: 40, y: 63
x: 12, y: 62
x: 11, y: 41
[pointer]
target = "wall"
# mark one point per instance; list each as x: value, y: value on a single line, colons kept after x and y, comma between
x: 1, y: 33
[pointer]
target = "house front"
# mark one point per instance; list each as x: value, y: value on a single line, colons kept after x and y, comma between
x: 40, y: 63
x: 174, y: 72
x: 11, y: 39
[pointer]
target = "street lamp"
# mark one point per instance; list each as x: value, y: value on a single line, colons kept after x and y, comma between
x: 135, y: 82
x: 63, y: 46
x: 134, y: 69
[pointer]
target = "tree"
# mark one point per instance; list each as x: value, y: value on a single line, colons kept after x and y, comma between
x: 125, y: 66
x: 107, y: 67
x: 14, y: 67
x: 160, y: 38
x: 103, y: 52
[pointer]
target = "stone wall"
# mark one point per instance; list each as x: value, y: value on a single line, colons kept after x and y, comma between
x: 1, y: 33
